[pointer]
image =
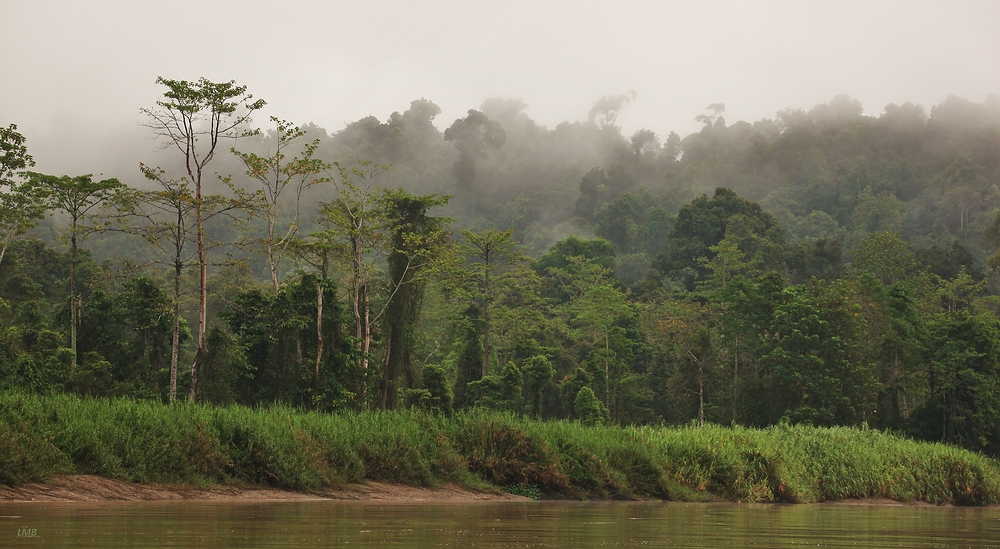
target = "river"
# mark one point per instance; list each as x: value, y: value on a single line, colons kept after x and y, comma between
x: 326, y: 524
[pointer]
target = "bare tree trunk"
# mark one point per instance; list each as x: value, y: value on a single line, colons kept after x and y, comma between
x: 486, y: 317
x: 366, y: 344
x: 319, y: 328
x: 607, y: 375
x: 270, y: 256
x: 6, y: 242
x: 175, y: 343
x: 360, y: 322
x: 202, y: 297
x: 73, y: 310
x: 701, y: 390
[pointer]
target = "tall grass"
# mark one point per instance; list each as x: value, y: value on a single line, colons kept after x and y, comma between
x: 148, y: 442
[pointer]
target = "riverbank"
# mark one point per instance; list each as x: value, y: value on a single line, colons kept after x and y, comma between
x: 80, y: 488
x: 91, y: 488
x: 205, y: 447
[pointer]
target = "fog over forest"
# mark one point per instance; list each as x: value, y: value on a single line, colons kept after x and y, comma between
x: 734, y: 213
x: 76, y: 73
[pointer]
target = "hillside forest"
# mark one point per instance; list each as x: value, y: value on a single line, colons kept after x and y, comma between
x: 822, y: 267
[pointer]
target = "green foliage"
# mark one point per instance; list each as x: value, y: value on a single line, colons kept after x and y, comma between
x: 418, y: 241
x: 22, y: 204
x: 590, y: 410
x: 704, y: 223
x: 469, y: 350
x: 597, y: 250
x: 810, y: 360
x: 884, y: 256
x: 273, y: 356
x: 500, y: 392
x: 964, y: 390
x: 282, y: 447
x: 435, y: 395
x: 529, y: 491
x: 538, y: 373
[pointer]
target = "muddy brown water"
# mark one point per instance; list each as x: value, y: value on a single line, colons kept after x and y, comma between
x: 315, y: 524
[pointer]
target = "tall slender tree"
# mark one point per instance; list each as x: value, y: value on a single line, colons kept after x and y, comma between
x: 191, y: 118
x: 164, y: 218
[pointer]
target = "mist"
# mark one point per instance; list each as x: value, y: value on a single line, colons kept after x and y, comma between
x: 79, y: 72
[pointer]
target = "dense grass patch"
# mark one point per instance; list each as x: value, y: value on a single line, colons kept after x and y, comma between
x: 149, y: 442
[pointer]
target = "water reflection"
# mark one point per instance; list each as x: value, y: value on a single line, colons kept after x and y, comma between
x: 306, y: 525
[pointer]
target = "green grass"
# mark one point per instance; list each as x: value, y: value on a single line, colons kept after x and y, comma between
x: 194, y: 444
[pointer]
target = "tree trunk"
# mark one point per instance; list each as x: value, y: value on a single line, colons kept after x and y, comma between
x: 736, y: 376
x: 175, y: 343
x: 270, y: 256
x: 360, y: 316
x: 701, y: 396
x: 319, y: 328
x: 74, y: 311
x: 202, y: 295
x: 486, y: 316
x: 387, y: 378
x: 6, y: 242
x: 366, y: 325
x: 701, y: 390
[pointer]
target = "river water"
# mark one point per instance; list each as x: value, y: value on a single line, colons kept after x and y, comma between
x: 326, y: 524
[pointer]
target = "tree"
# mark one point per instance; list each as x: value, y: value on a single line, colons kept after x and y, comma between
x: 416, y: 240
x: 703, y: 223
x: 500, y: 391
x: 680, y: 329
x: 964, y: 404
x: 468, y: 354
x: 809, y: 354
x: 491, y: 249
x: 605, y: 110
x: 588, y: 408
x: 473, y: 136
x: 714, y: 120
x: 316, y: 250
x: 593, y: 314
x: 80, y: 197
x: 560, y: 259
x: 192, y: 118
x: 435, y: 395
x: 14, y: 154
x: 991, y: 233
x: 276, y: 332
x: 356, y: 228
x: 538, y: 373
x: 21, y: 203
x: 276, y: 175
x: 884, y: 255
x: 165, y: 219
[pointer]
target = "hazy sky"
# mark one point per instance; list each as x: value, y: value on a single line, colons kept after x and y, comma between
x: 79, y: 70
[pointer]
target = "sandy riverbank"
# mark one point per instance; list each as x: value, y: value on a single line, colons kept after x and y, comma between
x: 83, y: 488
x: 94, y: 488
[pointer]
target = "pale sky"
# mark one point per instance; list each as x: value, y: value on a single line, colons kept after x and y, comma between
x: 74, y: 73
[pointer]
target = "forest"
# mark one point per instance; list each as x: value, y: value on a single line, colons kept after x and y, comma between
x: 823, y: 267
